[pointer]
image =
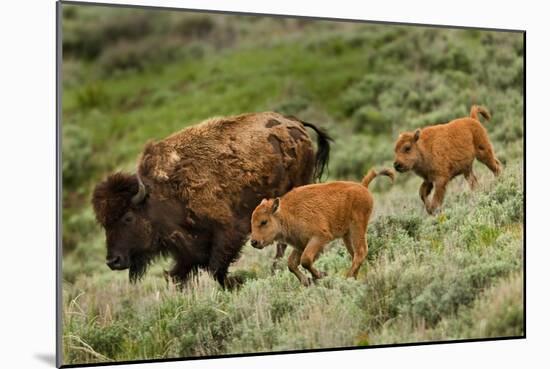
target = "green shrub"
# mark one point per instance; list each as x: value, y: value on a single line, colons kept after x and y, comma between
x: 93, y: 95
x: 371, y: 120
x: 353, y: 155
x: 76, y: 155
x: 499, y: 313
x: 76, y: 228
x: 194, y: 26
x: 292, y: 105
x: 106, y: 340
x: 86, y: 36
x: 139, y: 54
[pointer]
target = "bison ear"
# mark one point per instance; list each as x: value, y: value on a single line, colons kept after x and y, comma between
x: 416, y: 135
x: 275, y: 206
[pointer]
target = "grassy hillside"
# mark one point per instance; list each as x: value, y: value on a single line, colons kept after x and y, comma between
x: 129, y: 77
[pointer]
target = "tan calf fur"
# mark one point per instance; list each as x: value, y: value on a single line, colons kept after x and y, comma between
x: 308, y: 217
x: 441, y: 152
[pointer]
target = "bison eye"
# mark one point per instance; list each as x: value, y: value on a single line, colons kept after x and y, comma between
x: 407, y: 149
x: 128, y: 218
x: 263, y: 222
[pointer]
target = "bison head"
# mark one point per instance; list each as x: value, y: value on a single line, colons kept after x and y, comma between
x: 265, y: 223
x: 406, y: 151
x: 120, y: 205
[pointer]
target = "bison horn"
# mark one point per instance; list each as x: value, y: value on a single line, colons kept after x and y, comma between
x: 140, y: 195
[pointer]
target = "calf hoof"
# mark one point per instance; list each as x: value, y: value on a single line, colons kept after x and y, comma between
x: 351, y: 275
x: 432, y: 210
x: 321, y: 275
x: 277, y: 265
x: 306, y: 282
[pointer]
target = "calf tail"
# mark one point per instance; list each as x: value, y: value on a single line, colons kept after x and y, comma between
x: 323, y: 150
x: 481, y: 110
x: 372, y: 174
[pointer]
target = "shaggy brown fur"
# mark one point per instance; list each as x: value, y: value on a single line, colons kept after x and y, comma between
x: 441, y: 152
x: 309, y: 217
x: 201, y: 185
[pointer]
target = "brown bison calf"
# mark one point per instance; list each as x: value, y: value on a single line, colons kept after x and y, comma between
x: 308, y: 217
x: 441, y: 152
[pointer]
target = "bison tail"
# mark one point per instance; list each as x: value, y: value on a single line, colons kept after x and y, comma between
x: 367, y: 179
x: 323, y: 150
x: 481, y: 110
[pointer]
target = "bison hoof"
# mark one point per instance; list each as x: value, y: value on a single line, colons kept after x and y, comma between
x: 233, y: 282
x: 306, y: 282
x: 170, y: 279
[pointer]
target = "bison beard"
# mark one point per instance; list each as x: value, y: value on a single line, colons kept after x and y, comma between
x: 139, y: 264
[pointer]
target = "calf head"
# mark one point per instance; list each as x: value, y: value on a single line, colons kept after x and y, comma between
x: 265, y: 223
x: 406, y: 151
x: 120, y: 206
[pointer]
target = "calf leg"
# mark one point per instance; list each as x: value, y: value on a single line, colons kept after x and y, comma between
x: 293, y: 262
x: 425, y: 189
x: 348, y: 243
x: 439, y: 195
x: 281, y: 248
x: 471, y: 178
x: 360, y: 249
x: 486, y: 154
x: 313, y: 247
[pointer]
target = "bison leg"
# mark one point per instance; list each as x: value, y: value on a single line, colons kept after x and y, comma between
x: 181, y: 273
x: 226, y: 281
x: 293, y: 262
x: 425, y: 190
x: 439, y: 195
x: 313, y: 247
x: 225, y: 250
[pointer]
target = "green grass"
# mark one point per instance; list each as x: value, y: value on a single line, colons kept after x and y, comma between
x: 452, y: 276
x: 408, y: 291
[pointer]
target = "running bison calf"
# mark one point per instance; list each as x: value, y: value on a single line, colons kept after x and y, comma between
x: 194, y: 192
x: 441, y: 152
x: 309, y: 217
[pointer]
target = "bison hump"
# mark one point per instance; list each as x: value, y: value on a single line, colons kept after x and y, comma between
x: 210, y: 164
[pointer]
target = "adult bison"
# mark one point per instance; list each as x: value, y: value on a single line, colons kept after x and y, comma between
x: 194, y: 192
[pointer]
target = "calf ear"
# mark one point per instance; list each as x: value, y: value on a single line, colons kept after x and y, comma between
x: 275, y: 206
x: 416, y: 135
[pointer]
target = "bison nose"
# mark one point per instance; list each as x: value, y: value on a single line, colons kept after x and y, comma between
x: 254, y: 243
x: 397, y: 166
x: 114, y: 262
